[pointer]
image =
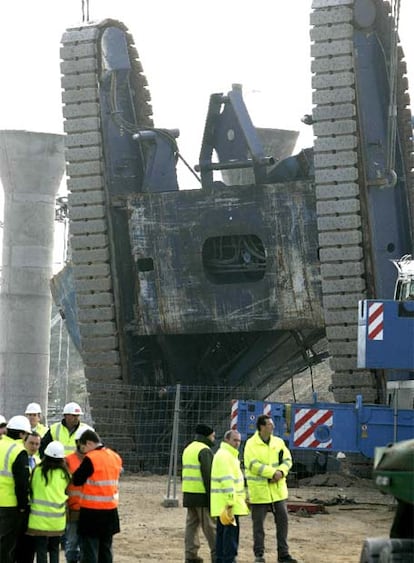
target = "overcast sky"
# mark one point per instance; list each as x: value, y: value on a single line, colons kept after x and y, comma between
x: 189, y: 49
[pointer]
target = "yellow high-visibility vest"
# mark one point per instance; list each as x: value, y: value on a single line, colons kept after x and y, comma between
x: 192, y: 480
x: 261, y: 461
x: 48, y: 502
x: 227, y: 482
x: 40, y: 428
x: 61, y: 433
x: 9, y: 450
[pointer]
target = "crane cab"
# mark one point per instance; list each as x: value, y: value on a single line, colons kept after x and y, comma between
x: 404, y: 286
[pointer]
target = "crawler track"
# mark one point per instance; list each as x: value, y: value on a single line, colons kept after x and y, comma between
x: 346, y: 248
x: 90, y: 224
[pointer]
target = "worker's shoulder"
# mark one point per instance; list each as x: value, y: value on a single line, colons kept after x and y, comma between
x: 253, y: 438
x: 55, y: 425
x: 277, y: 440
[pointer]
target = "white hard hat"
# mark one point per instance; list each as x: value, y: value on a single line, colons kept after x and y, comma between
x: 81, y: 430
x: 55, y: 449
x: 33, y: 408
x: 72, y: 408
x: 2, y: 419
x: 19, y: 422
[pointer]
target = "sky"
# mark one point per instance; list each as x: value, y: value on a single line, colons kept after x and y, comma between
x: 189, y: 50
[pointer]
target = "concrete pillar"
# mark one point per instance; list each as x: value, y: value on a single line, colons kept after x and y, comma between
x: 31, y: 170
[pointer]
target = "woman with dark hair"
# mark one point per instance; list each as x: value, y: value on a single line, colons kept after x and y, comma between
x: 47, y: 518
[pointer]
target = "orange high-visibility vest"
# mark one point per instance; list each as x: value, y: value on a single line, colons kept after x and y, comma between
x: 74, y: 493
x: 100, y: 491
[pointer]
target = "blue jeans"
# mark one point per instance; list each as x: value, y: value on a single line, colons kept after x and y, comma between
x: 96, y: 550
x: 45, y: 545
x: 72, y: 549
x: 227, y: 542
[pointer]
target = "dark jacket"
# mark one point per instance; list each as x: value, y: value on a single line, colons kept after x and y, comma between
x: 21, y: 476
x: 205, y: 457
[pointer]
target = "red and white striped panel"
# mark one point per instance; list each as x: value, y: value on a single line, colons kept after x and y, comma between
x: 376, y: 321
x: 306, y: 423
x: 267, y: 409
x: 234, y: 414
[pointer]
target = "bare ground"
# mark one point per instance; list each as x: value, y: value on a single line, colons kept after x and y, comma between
x: 355, y: 511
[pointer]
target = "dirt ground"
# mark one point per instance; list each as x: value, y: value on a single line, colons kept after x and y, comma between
x: 354, y: 510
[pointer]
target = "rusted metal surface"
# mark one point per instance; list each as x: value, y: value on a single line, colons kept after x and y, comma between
x: 177, y: 296
x: 305, y: 508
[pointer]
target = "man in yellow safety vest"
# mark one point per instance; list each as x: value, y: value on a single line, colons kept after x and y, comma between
x: 228, y: 497
x: 65, y: 430
x: 267, y: 462
x: 196, y: 476
x: 34, y: 414
x: 14, y: 486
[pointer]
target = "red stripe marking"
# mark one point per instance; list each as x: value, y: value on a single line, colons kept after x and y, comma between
x: 304, y: 418
x: 374, y: 332
x: 375, y: 314
x: 312, y: 428
x: 315, y: 444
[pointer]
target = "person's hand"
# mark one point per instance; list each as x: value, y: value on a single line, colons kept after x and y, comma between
x: 278, y: 475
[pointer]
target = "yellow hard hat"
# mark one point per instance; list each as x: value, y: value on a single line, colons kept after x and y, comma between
x: 227, y: 517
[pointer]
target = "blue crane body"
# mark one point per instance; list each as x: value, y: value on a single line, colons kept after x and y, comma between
x: 328, y: 427
x: 386, y: 336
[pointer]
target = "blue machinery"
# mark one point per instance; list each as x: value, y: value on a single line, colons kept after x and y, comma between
x: 386, y: 335
x: 328, y: 427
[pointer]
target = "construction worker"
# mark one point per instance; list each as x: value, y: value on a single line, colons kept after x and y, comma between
x: 3, y: 425
x: 73, y: 461
x: 14, y: 486
x: 25, y: 548
x: 47, y: 517
x: 196, y: 477
x: 34, y: 414
x: 267, y: 462
x: 64, y: 431
x: 98, y: 474
x: 228, y: 497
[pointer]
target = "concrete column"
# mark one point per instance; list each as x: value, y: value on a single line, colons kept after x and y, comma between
x: 31, y: 170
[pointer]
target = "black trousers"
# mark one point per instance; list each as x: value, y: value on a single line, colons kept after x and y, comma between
x: 47, y: 547
x: 280, y: 515
x: 12, y: 526
x: 96, y: 550
x: 25, y: 548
